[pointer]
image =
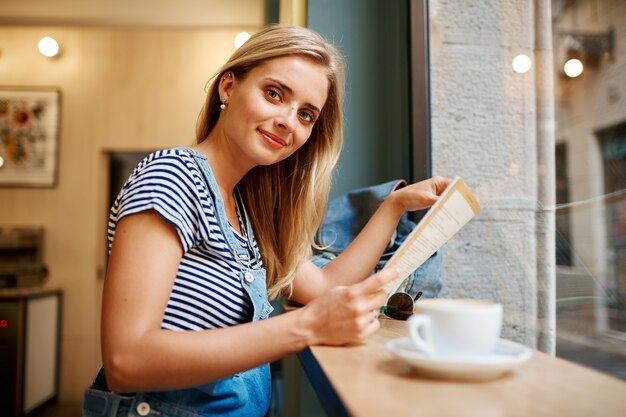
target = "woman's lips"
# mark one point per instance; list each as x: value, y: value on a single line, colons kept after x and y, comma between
x: 272, y: 140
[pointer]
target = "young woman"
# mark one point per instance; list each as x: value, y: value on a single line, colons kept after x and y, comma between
x: 201, y: 237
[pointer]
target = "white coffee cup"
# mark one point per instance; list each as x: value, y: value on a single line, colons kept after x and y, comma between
x: 455, y: 327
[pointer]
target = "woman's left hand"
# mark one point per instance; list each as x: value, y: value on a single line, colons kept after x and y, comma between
x: 361, y: 256
x: 420, y: 195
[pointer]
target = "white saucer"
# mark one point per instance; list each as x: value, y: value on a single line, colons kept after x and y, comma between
x: 506, y: 356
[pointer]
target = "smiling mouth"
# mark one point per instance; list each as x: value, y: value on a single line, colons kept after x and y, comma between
x: 272, y: 140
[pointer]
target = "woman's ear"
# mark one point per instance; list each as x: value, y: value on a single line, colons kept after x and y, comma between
x: 227, y: 81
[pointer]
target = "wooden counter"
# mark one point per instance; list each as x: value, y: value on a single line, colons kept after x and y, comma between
x: 366, y: 380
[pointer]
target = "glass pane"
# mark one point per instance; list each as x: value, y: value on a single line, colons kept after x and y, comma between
x: 590, y: 158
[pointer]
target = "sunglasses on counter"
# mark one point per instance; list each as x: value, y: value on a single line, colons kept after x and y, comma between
x: 400, y: 305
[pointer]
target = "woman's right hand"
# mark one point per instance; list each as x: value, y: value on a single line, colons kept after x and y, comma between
x: 347, y: 314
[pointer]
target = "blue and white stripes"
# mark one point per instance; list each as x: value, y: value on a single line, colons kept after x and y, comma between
x: 207, y: 291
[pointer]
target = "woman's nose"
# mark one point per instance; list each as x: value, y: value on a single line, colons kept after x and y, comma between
x: 287, y: 119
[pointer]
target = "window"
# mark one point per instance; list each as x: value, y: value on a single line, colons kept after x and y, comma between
x: 591, y: 184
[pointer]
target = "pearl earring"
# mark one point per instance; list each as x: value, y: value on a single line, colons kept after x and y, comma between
x: 223, y: 105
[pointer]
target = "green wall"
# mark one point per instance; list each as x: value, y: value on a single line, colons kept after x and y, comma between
x: 373, y: 35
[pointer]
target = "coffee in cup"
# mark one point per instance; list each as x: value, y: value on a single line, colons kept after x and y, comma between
x: 455, y: 327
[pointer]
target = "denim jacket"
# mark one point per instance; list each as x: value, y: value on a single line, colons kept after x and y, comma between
x: 346, y: 216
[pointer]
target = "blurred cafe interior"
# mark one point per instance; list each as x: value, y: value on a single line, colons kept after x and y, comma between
x: 524, y: 99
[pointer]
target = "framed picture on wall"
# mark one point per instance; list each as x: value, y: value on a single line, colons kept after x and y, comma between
x: 29, y: 135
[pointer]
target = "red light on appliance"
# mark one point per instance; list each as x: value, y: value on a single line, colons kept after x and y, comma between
x: 4, y: 323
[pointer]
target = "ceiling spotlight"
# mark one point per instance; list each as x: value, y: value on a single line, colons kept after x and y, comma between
x: 573, y: 68
x: 522, y: 63
x: 241, y: 38
x: 48, y: 47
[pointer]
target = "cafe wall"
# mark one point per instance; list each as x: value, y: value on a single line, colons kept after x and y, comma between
x: 121, y: 89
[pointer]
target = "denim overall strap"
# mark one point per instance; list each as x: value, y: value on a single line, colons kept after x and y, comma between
x: 253, y: 280
x: 241, y: 253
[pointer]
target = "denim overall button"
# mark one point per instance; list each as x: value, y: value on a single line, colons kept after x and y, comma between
x: 143, y: 409
x: 248, y: 277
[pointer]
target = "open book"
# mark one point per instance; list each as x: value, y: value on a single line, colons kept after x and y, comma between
x: 454, y: 208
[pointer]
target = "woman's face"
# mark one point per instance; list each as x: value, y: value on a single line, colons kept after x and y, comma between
x: 271, y: 112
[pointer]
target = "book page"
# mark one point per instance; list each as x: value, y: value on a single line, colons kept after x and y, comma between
x: 454, y: 208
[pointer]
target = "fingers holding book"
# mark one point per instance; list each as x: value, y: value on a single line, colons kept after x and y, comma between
x: 420, y: 195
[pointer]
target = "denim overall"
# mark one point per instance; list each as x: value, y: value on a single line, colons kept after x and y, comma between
x: 243, y: 394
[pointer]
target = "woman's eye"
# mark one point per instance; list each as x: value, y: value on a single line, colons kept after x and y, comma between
x: 273, y: 94
x: 307, y: 117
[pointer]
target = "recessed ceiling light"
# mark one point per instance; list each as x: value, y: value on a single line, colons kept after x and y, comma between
x: 241, y: 38
x: 48, y: 47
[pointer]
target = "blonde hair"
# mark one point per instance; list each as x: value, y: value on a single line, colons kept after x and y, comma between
x: 286, y: 201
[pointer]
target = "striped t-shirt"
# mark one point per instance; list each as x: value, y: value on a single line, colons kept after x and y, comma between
x: 207, y: 291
